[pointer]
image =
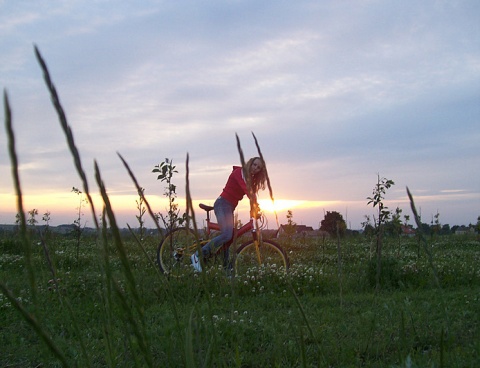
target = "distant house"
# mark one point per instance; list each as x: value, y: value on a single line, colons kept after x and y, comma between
x: 463, y: 230
x: 407, y: 230
x: 300, y: 230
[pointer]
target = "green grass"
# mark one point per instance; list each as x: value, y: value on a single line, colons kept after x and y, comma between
x: 300, y: 319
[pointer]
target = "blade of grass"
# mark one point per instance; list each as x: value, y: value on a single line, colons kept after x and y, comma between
x: 270, y: 190
x: 302, y: 348
x: 203, y: 273
x: 26, y: 242
x: 305, y: 319
x: 252, y: 198
x: 25, y: 239
x: 431, y: 263
x: 139, y: 329
x: 248, y: 180
x: 190, y: 361
x: 35, y: 325
x: 150, y: 260
x: 140, y: 192
x: 150, y: 211
x: 116, y: 235
x: 251, y: 195
x: 65, y: 304
x: 73, y: 149
x: 106, y: 294
x: 51, y: 267
x: 191, y: 215
x: 68, y: 133
x: 424, y: 241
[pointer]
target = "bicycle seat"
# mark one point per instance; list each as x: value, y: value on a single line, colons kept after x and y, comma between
x: 205, y: 207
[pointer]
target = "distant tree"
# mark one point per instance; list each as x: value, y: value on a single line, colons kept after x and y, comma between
x: 291, y: 226
x: 141, y: 212
x: 394, y: 226
x: 425, y: 229
x: 368, y: 229
x: 384, y: 214
x: 435, y: 225
x: 46, y: 219
x: 17, y: 222
x: 350, y: 232
x: 332, y: 222
x: 445, y: 230
x: 376, y: 200
x: 166, y: 171
x: 32, y: 221
x: 17, y: 219
x: 77, y: 223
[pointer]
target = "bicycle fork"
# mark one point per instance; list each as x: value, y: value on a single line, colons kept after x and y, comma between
x: 256, y: 243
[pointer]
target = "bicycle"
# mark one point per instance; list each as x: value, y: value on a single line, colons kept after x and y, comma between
x: 174, y: 252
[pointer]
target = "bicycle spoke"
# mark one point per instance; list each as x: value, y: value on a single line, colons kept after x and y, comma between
x: 266, y: 257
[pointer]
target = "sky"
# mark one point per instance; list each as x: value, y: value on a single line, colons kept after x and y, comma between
x: 337, y: 93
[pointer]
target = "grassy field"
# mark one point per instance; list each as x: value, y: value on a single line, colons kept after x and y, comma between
x: 107, y: 305
x: 103, y: 302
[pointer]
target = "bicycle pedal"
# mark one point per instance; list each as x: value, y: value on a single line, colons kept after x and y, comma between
x: 178, y: 255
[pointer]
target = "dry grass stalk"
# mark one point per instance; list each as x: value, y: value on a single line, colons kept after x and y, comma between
x: 68, y: 133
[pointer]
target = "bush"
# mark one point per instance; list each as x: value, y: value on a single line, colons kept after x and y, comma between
x: 389, y: 276
x: 13, y: 246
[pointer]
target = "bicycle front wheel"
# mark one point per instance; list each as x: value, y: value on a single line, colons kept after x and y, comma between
x: 174, y: 252
x: 266, y: 257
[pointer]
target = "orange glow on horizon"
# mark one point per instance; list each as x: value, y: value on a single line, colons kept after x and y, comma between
x: 63, y: 206
x: 279, y: 204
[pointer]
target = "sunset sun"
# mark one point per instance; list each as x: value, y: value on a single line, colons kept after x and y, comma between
x: 279, y: 205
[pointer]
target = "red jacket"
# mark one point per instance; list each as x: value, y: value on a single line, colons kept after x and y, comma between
x: 236, y: 187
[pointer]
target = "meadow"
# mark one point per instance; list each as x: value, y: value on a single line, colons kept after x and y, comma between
x: 106, y: 306
x: 99, y: 300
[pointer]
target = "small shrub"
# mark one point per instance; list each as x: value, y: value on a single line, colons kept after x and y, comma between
x: 13, y: 246
x: 390, y: 274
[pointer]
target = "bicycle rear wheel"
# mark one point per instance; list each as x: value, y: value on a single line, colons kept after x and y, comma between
x: 174, y: 252
x: 266, y: 257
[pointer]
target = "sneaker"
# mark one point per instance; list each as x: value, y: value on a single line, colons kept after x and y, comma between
x: 196, y: 262
x: 229, y: 270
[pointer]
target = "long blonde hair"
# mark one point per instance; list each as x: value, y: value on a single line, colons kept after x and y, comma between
x: 259, y: 179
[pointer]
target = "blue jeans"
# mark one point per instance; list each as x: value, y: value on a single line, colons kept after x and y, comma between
x: 224, y: 213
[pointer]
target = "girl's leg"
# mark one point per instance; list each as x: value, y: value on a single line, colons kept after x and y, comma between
x: 224, y: 213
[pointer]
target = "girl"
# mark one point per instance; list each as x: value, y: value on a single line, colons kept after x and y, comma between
x: 225, y: 205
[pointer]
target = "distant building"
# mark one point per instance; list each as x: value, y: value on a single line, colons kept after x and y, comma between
x: 463, y: 230
x: 407, y: 230
x: 300, y: 230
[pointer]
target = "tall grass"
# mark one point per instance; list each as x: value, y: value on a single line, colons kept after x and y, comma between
x: 25, y: 241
